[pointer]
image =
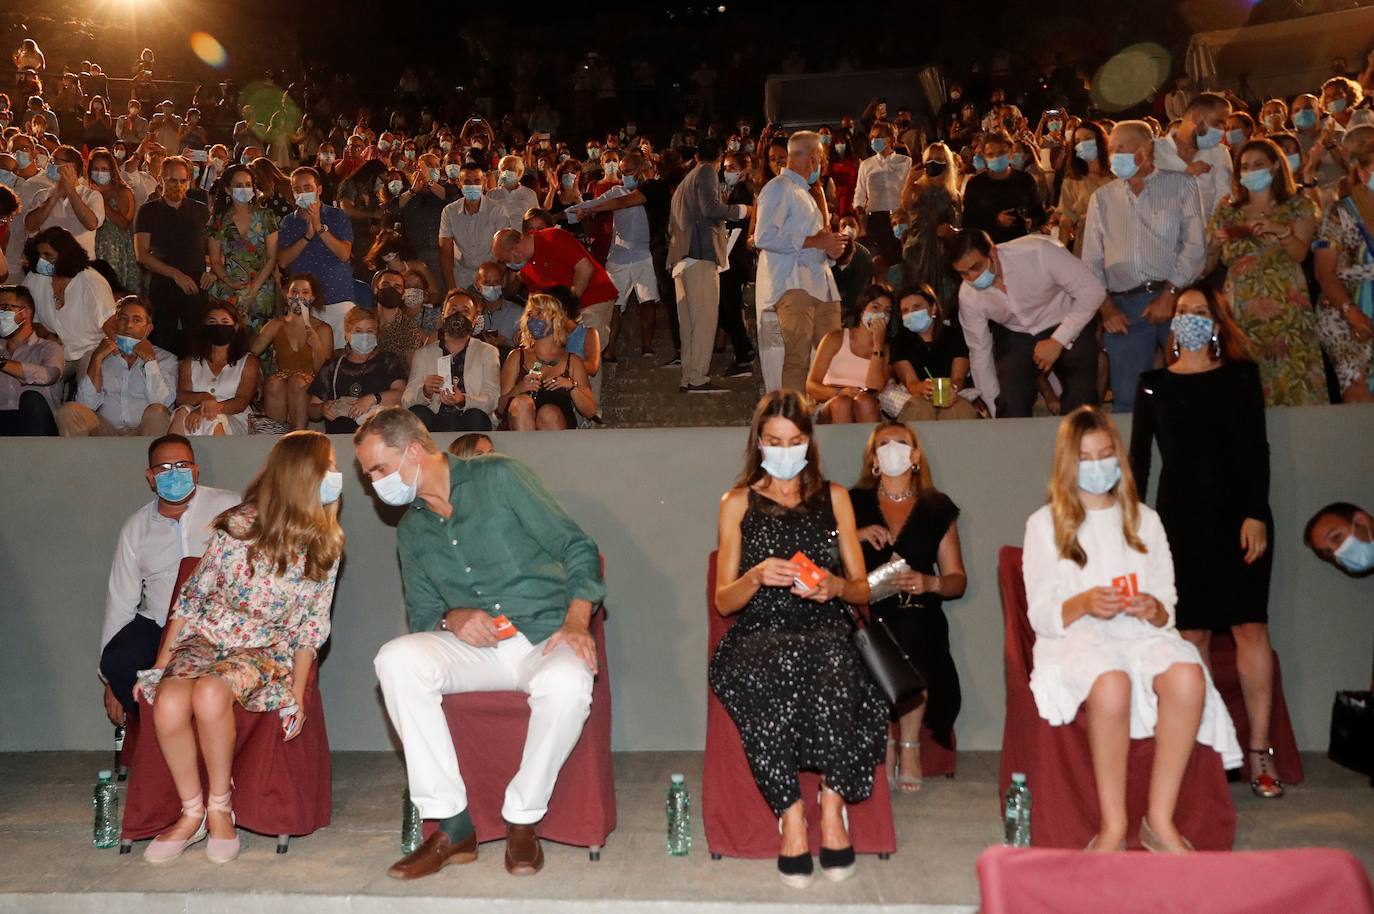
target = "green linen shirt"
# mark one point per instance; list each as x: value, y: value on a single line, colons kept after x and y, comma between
x: 508, y: 548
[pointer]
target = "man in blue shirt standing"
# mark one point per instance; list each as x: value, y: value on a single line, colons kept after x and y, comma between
x: 318, y: 239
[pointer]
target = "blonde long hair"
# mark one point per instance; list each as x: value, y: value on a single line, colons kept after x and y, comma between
x: 550, y: 310
x: 290, y: 520
x: 921, y: 481
x: 1065, y: 505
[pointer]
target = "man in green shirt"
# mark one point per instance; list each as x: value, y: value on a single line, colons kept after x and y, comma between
x: 500, y: 585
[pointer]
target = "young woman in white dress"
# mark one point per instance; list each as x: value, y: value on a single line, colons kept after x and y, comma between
x: 1100, y: 590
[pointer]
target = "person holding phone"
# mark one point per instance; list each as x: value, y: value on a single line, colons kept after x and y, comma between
x: 543, y: 385
x: 301, y: 343
x: 786, y: 671
x: 1100, y: 593
x: 245, y: 630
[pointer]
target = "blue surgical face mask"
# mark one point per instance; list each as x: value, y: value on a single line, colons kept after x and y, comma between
x: 1256, y: 179
x: 1207, y: 138
x: 813, y: 177
x: 245, y: 159
x: 1294, y: 163
x: 44, y: 267
x: 508, y: 179
x: 1370, y: 183
x: 472, y: 192
x: 432, y: 174
x: 631, y: 182
x: 452, y: 171
x: 307, y: 199
x: 1124, y: 165
x: 9, y: 324
x: 331, y: 486
x: 126, y: 344
x: 1018, y: 160
x: 1235, y: 137
x: 1191, y: 331
x: 899, y: 230
x: 1086, y: 150
x: 985, y: 278
x: 22, y: 158
x: 1054, y: 126
x: 491, y: 293
x: 979, y: 163
x: 244, y: 194
x: 878, y: 144
x: 100, y: 178
x: 917, y: 321
x: 362, y: 343
x: 1305, y: 119
x: 784, y: 462
x: 998, y: 164
x: 1099, y: 476
x: 53, y: 173
x: 1355, y: 555
x: 517, y: 265
x: 174, y: 485
x: 1336, y: 105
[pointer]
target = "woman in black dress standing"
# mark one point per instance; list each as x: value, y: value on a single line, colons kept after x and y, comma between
x: 900, y: 514
x: 786, y: 671
x: 1207, y: 411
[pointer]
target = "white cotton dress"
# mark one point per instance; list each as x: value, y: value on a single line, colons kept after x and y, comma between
x: 1069, y: 659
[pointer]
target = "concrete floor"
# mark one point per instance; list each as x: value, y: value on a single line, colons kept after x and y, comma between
x: 48, y: 865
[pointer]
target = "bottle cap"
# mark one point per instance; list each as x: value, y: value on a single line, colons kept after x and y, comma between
x: 105, y: 774
x: 678, y: 778
x: 1018, y: 778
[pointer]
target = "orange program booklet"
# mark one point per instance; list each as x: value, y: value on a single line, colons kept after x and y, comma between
x: 504, y: 627
x: 809, y: 574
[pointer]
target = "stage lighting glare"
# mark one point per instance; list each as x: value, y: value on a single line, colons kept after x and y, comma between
x: 208, y: 49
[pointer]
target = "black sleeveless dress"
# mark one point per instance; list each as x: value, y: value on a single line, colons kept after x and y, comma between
x: 918, y: 622
x: 788, y: 674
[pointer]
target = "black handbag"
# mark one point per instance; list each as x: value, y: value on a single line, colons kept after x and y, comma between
x: 1352, y: 732
x: 892, y: 670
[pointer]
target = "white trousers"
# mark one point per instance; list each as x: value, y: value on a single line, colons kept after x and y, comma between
x: 417, y: 670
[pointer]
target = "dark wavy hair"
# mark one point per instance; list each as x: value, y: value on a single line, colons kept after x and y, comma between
x: 1231, y: 339
x: 71, y: 256
x: 1077, y: 167
x: 792, y: 406
x: 224, y: 200
x: 199, y: 345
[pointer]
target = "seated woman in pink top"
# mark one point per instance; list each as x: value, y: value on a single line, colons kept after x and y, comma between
x: 850, y: 367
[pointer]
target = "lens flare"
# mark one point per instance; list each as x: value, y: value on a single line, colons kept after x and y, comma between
x: 1131, y: 76
x: 209, y: 50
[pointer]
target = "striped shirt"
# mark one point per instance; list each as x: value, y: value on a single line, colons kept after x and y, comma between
x: 1130, y: 239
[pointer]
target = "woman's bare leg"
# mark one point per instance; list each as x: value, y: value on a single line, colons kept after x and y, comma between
x: 177, y: 739
x: 1109, y: 739
x: 214, y: 709
x: 1181, y: 690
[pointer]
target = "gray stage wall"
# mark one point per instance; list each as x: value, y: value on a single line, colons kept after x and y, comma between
x: 649, y: 498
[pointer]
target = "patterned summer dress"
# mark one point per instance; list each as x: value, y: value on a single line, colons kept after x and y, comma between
x: 1268, y: 296
x: 243, y: 260
x: 788, y: 674
x: 244, y: 623
x: 1345, y: 231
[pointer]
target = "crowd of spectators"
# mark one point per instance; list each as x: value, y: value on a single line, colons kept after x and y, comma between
x: 944, y: 263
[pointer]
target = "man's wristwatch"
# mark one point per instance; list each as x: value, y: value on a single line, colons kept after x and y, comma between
x: 1172, y: 289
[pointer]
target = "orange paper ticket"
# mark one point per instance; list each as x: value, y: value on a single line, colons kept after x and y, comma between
x: 809, y: 575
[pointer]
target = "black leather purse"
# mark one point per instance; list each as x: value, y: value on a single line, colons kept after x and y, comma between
x: 892, y: 670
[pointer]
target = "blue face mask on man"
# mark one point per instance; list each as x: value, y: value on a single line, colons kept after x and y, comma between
x: 1099, y: 476
x: 878, y: 144
x: 630, y: 182
x: 126, y: 344
x: 1124, y: 165
x: 1235, y: 137
x: 998, y: 164
x: 22, y: 158
x: 985, y: 278
x: 1305, y: 119
x: 53, y: 171
x: 174, y: 485
x: 1355, y: 555
x: 472, y: 192
x: 1207, y: 138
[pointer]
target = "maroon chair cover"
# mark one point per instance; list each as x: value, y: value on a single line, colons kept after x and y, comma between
x: 280, y: 788
x: 1028, y: 881
x: 738, y: 821
x: 1223, y: 664
x: 489, y: 731
x: 1058, y: 764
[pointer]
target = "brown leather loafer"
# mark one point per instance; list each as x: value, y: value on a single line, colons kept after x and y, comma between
x: 436, y: 853
x: 524, y: 856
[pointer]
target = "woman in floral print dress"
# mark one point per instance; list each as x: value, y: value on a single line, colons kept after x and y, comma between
x: 1262, y: 234
x: 243, y: 250
x: 246, y: 628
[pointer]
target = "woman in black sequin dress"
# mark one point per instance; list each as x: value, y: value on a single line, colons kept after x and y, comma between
x: 787, y: 671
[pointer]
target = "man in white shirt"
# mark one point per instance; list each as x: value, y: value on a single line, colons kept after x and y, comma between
x: 177, y: 524
x: 129, y: 386
x: 29, y: 182
x: 131, y: 128
x: 1144, y: 240
x: 878, y: 191
x: 1026, y: 307
x: 1196, y: 148
x: 70, y: 203
x: 795, y: 252
x: 466, y: 227
x: 512, y: 196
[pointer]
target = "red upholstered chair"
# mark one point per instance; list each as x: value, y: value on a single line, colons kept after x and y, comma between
x: 738, y: 821
x: 489, y: 730
x: 1029, y: 881
x: 1286, y: 757
x: 1058, y: 764
x: 280, y: 788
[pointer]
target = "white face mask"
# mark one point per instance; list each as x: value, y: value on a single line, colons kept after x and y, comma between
x: 784, y: 462
x: 894, y: 458
x: 395, y: 491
